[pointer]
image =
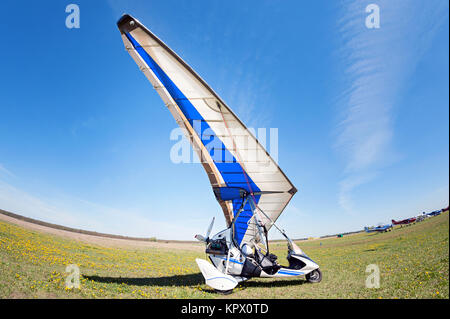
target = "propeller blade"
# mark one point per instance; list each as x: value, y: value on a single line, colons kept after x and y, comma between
x: 200, y: 238
x: 210, y: 228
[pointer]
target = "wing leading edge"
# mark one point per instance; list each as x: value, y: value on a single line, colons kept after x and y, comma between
x: 229, y: 153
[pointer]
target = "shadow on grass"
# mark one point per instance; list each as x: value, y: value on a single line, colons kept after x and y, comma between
x: 272, y: 283
x: 177, y: 280
x: 267, y: 283
x: 187, y: 280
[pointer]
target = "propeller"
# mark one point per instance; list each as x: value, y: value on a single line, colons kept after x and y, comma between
x: 206, y: 237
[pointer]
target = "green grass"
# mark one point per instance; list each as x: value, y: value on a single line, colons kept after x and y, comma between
x: 413, y: 263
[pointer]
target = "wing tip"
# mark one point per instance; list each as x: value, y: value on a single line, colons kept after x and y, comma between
x: 127, y: 23
x: 293, y: 190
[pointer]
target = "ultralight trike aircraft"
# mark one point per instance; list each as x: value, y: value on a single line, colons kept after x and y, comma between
x: 248, y: 184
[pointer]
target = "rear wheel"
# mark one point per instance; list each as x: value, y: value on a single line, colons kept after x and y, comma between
x: 314, y: 276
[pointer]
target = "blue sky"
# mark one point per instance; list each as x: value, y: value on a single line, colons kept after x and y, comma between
x: 362, y: 114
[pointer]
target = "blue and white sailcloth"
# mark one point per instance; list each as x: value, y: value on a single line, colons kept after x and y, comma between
x: 231, y: 155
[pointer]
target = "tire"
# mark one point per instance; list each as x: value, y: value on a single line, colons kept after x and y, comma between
x: 314, y: 276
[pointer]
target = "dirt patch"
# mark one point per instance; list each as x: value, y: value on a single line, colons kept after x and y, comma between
x: 17, y: 295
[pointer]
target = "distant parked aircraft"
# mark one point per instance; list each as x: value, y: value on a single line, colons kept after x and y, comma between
x: 380, y: 228
x: 435, y: 212
x: 404, y: 221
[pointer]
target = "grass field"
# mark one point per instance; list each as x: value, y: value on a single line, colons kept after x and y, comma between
x: 413, y: 263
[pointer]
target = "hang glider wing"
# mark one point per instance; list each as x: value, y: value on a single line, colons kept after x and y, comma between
x: 234, y: 160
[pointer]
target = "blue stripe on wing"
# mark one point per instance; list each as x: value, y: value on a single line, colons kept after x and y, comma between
x: 231, y: 171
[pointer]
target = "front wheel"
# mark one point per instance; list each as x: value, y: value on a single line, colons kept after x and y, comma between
x: 314, y: 276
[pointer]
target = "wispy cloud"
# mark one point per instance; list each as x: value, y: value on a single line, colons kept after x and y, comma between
x: 347, y: 185
x: 4, y: 171
x: 377, y: 64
